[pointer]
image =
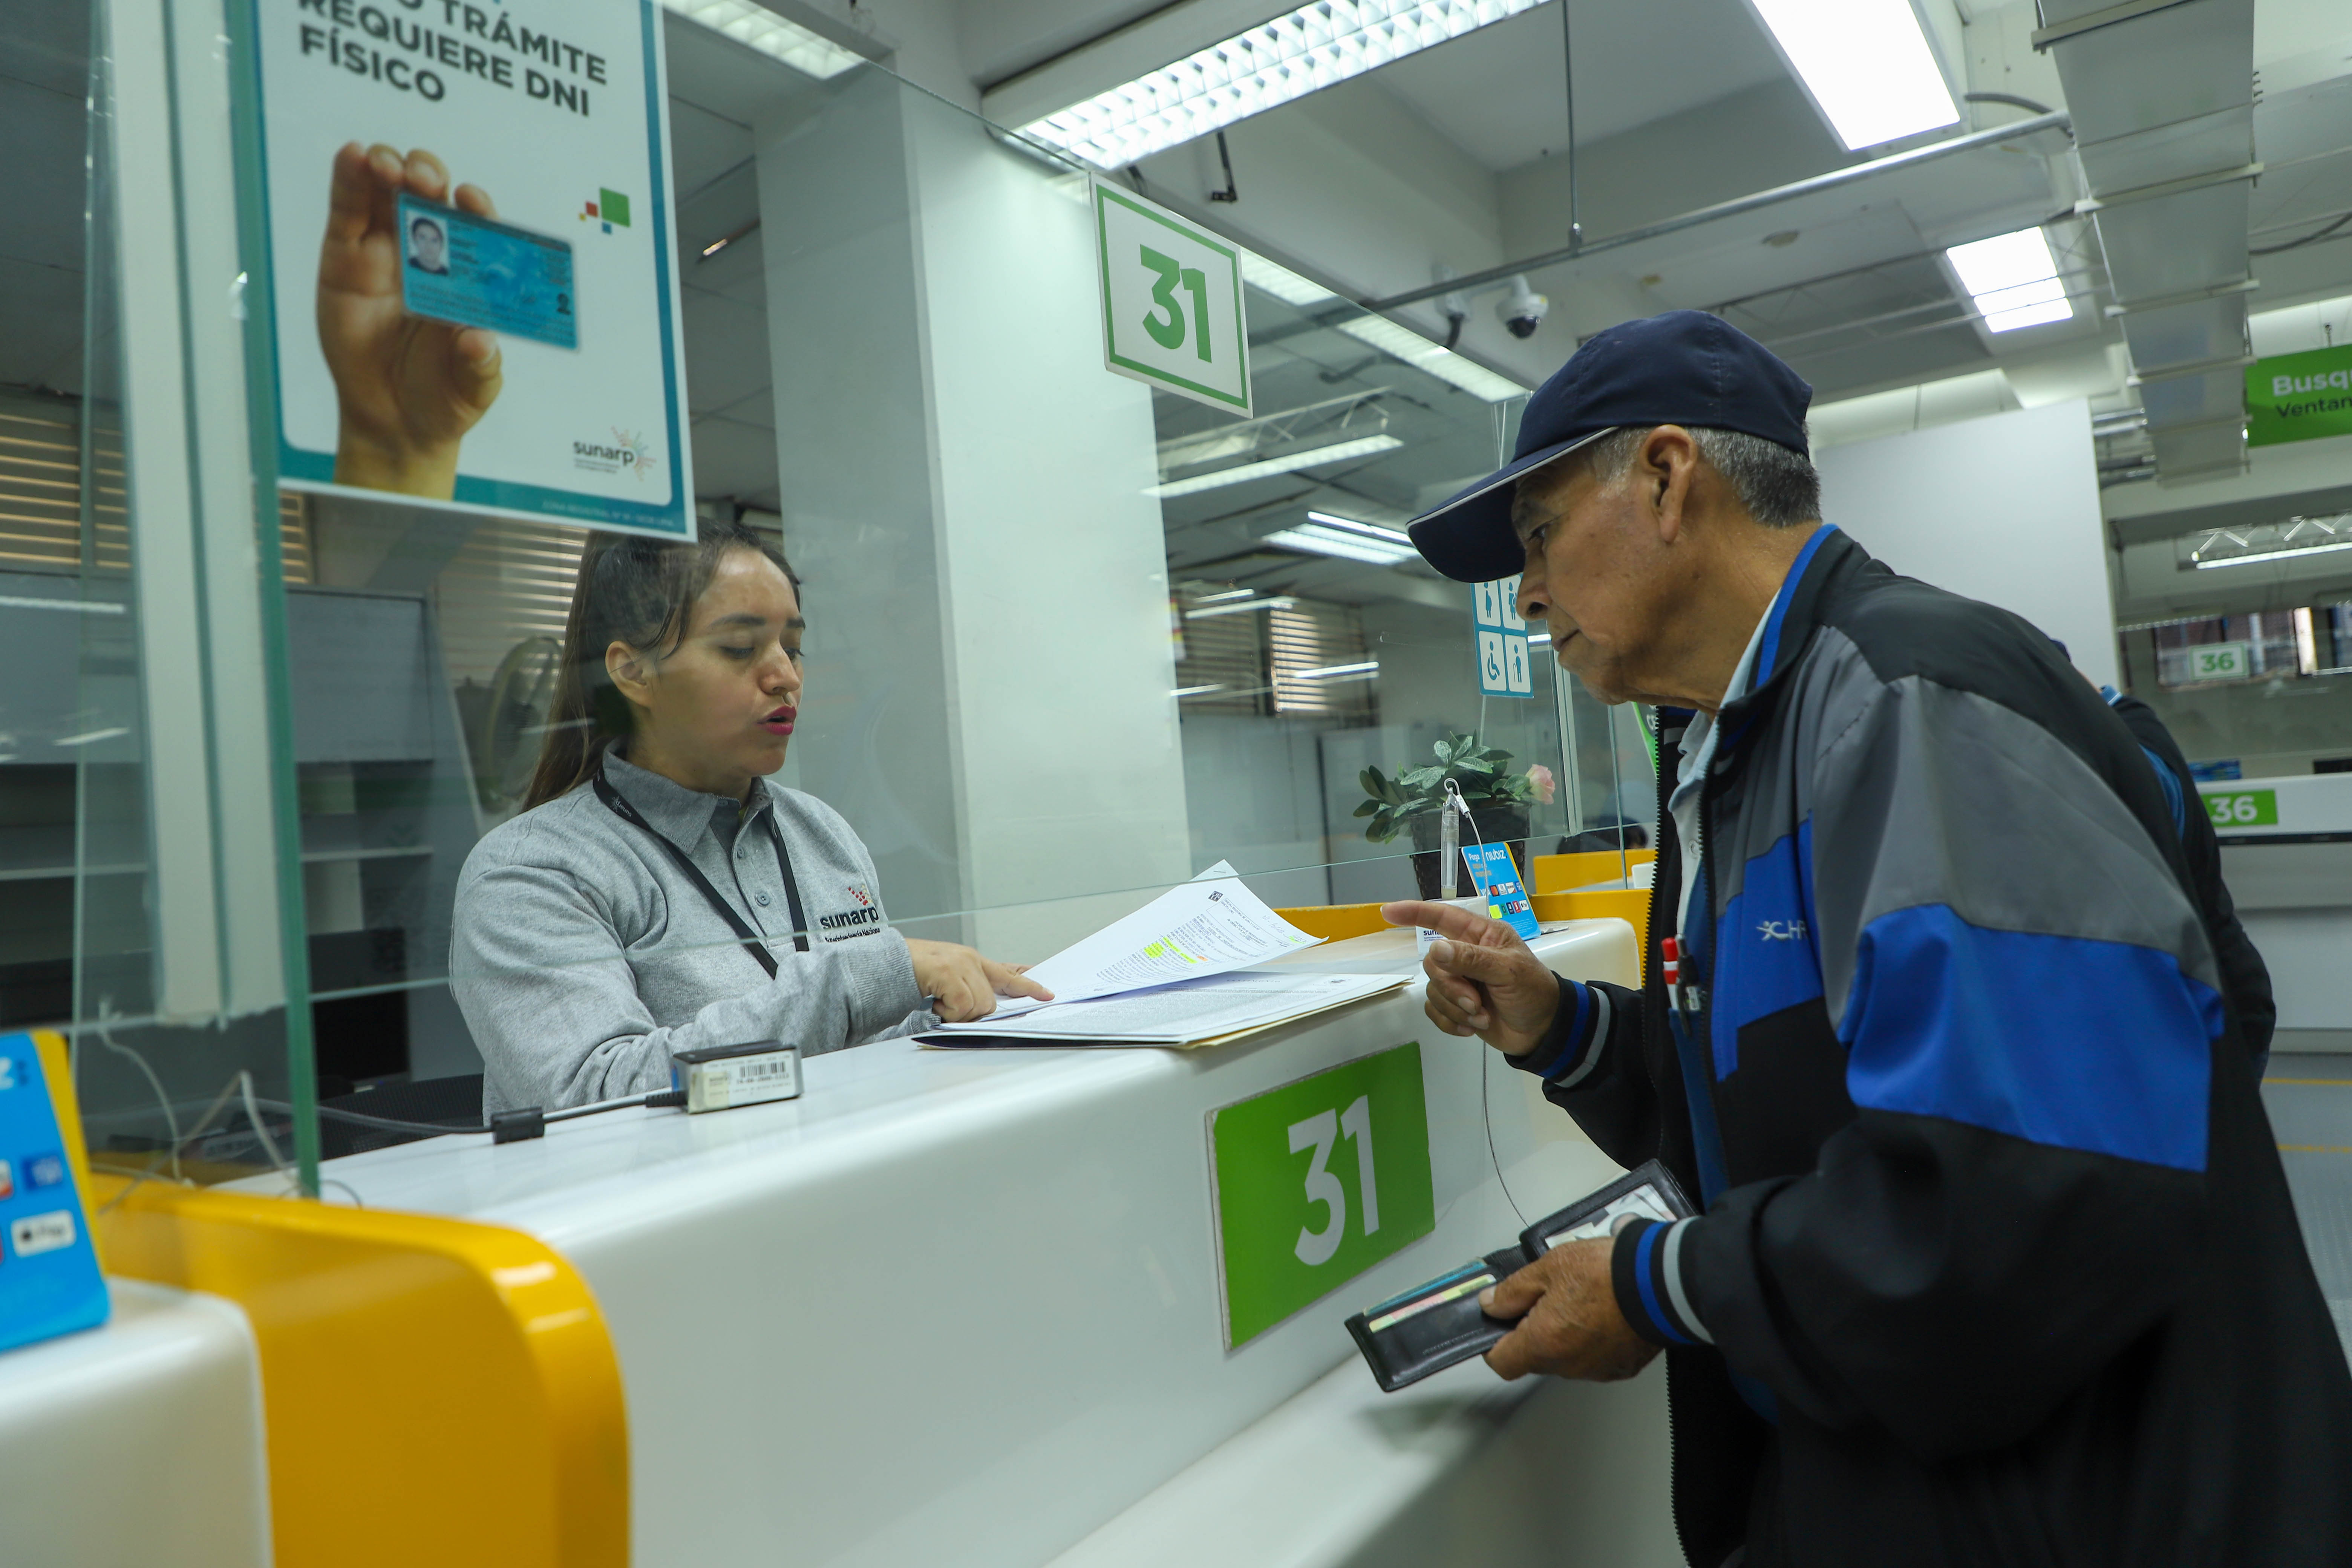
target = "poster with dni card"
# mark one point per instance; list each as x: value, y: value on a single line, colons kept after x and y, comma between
x: 473, y: 287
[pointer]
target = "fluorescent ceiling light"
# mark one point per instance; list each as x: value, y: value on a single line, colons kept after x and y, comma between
x: 1866, y: 64
x: 1183, y: 691
x: 1369, y: 530
x: 1363, y: 671
x: 1396, y: 338
x: 1316, y: 540
x: 1314, y: 456
x: 1277, y: 603
x: 2231, y: 560
x: 1228, y: 594
x: 2012, y: 280
x: 1314, y: 47
x: 764, y: 30
x: 1282, y: 283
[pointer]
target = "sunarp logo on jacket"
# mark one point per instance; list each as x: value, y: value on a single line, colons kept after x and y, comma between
x: 866, y: 917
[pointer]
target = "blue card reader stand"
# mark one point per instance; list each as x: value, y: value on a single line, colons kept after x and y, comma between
x: 50, y: 1282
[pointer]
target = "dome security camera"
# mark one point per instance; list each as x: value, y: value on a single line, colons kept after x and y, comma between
x: 1522, y: 309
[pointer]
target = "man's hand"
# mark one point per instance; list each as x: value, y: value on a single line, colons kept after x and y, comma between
x: 1568, y: 1322
x: 962, y: 985
x: 1482, y: 980
x: 407, y: 389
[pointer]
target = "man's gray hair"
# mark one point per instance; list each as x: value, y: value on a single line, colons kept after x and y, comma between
x: 1778, y: 487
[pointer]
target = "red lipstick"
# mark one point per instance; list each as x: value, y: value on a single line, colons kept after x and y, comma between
x: 779, y: 723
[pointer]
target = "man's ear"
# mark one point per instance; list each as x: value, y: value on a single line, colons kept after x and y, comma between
x: 1667, y: 464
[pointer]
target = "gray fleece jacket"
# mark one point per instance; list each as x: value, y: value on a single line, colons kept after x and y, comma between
x: 582, y: 956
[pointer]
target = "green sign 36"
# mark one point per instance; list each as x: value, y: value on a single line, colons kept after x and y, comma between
x: 1316, y: 1182
x: 2242, y: 808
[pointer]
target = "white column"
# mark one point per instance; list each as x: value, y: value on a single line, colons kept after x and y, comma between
x: 963, y: 485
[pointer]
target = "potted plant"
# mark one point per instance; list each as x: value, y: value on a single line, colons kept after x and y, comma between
x: 1496, y: 795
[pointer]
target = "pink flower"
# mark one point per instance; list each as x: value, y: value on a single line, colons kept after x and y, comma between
x: 1540, y: 780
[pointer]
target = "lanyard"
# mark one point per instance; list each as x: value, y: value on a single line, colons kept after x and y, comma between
x: 619, y: 807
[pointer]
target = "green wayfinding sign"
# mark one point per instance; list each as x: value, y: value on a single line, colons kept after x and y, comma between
x: 2243, y: 807
x: 1316, y: 1182
x: 1172, y: 302
x: 2299, y: 397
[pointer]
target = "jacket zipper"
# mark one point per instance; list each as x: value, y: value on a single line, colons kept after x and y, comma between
x: 1651, y: 971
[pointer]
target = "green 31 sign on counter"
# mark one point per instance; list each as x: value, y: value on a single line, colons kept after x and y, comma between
x: 1316, y: 1182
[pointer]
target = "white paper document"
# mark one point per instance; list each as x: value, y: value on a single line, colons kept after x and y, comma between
x: 1210, y: 925
x: 1182, y: 1014
x: 1177, y: 972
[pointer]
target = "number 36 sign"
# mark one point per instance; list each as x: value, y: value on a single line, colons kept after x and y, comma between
x: 1171, y: 298
x: 1316, y: 1182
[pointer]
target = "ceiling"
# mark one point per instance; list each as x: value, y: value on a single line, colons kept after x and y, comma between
x: 1848, y: 287
x: 1497, y: 93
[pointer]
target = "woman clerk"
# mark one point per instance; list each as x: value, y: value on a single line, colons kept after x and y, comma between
x: 657, y: 894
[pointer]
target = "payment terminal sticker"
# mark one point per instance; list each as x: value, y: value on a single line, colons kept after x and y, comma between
x: 39, y: 1233
x: 1493, y: 873
x: 475, y: 272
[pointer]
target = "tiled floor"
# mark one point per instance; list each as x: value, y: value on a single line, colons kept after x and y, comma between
x: 2310, y: 1100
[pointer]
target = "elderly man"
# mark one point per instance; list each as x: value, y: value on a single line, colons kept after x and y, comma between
x: 1997, y: 1262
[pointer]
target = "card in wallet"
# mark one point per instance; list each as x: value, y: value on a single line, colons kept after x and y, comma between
x: 1433, y: 1325
x: 1647, y: 1191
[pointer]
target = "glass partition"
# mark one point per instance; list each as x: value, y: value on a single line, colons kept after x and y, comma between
x: 1069, y: 641
x: 137, y: 924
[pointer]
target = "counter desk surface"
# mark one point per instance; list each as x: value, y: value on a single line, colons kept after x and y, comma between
x: 964, y: 1305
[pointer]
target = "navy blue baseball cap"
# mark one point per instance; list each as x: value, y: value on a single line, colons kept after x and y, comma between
x: 1685, y: 367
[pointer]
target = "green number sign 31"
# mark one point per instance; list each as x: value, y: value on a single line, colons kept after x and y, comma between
x: 1166, y: 324
x: 1317, y: 1182
x: 1172, y: 301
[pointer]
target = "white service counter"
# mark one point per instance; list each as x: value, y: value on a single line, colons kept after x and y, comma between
x: 963, y: 1308
x: 139, y: 1441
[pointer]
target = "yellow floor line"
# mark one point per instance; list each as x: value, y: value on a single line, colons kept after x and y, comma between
x: 2313, y: 1149
x: 2338, y: 1082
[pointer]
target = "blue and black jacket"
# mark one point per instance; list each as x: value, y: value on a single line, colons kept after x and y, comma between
x: 1997, y: 1262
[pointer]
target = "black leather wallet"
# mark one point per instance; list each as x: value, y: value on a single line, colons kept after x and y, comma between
x: 1433, y: 1325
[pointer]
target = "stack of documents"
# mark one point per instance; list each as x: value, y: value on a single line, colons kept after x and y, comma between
x: 1177, y: 972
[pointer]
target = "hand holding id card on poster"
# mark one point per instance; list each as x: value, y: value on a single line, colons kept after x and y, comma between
x: 467, y: 272
x: 518, y: 355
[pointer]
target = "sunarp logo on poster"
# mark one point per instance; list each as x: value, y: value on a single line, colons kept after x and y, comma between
x: 452, y: 308
x: 625, y: 453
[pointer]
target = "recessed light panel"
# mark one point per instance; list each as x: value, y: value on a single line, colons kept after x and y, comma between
x: 2012, y: 280
x: 1865, y: 63
x: 1314, y: 47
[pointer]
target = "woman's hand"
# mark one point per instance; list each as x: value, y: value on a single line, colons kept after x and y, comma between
x: 962, y: 985
x: 407, y: 390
